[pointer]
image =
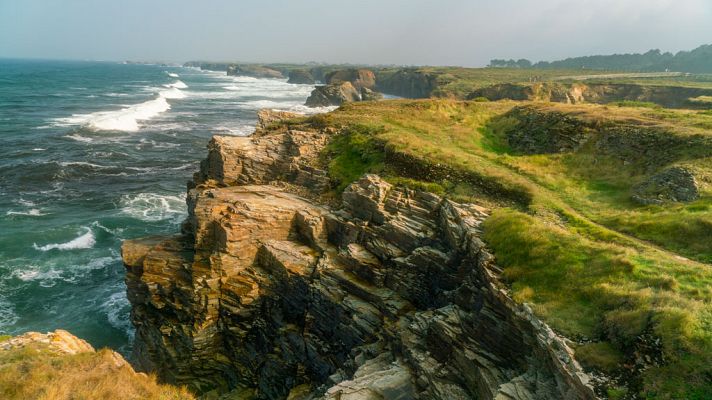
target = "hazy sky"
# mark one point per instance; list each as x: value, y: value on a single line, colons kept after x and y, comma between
x: 443, y: 32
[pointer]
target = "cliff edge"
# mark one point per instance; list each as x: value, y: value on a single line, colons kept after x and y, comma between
x: 385, y: 292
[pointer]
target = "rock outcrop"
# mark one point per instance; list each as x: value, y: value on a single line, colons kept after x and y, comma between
x: 334, y: 94
x: 254, y: 71
x: 369, y: 95
x: 392, y: 294
x: 671, y: 184
x: 410, y: 83
x: 301, y: 76
x: 267, y: 117
x: 359, y: 78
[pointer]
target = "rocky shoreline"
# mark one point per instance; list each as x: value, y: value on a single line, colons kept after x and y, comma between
x: 269, y: 292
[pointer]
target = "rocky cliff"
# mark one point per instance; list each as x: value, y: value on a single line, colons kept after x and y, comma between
x: 270, y: 293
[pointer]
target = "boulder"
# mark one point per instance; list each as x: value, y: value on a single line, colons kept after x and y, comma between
x: 671, y: 184
x: 301, y: 76
x: 333, y: 95
x: 360, y: 78
x: 370, y: 95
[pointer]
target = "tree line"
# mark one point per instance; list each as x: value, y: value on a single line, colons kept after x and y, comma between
x: 698, y: 60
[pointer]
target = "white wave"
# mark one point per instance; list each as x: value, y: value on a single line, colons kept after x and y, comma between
x: 26, y: 203
x: 83, y: 241
x: 115, y: 231
x: 46, y: 276
x: 38, y: 149
x: 128, y: 118
x: 158, y: 145
x: 172, y: 74
x: 49, y: 274
x: 177, y: 85
x: 116, y: 308
x: 82, y: 164
x: 153, y: 207
x: 34, y: 212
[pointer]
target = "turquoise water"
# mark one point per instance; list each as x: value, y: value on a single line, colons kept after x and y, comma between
x: 93, y: 153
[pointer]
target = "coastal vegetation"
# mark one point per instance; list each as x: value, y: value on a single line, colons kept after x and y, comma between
x: 628, y: 283
x: 36, y: 371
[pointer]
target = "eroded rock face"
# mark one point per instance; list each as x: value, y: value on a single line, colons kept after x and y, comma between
x: 333, y: 94
x: 359, y: 78
x: 392, y: 295
x: 408, y: 83
x: 301, y: 76
x: 671, y: 184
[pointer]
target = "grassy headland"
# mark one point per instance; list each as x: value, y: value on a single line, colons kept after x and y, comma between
x: 630, y: 284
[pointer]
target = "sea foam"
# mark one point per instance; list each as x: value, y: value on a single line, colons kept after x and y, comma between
x: 153, y: 207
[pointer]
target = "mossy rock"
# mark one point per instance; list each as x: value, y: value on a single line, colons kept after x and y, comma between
x: 672, y: 184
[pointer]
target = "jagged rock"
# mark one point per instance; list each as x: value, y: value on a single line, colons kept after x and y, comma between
x: 301, y: 76
x: 391, y: 295
x: 267, y: 117
x: 671, y: 184
x: 369, y: 95
x: 333, y: 94
x: 254, y: 71
x: 359, y: 78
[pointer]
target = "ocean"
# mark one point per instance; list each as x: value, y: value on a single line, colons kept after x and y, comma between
x: 94, y: 153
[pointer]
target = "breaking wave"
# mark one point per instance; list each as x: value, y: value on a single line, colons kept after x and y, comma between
x: 153, y: 207
x: 84, y: 241
x: 126, y: 119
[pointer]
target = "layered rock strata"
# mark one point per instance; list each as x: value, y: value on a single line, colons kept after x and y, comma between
x: 391, y: 295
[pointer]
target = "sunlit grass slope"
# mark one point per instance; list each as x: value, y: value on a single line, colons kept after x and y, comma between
x: 624, y: 281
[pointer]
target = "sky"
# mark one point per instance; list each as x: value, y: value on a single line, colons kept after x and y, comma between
x: 402, y: 32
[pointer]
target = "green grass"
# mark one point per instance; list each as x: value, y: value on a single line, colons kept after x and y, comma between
x: 591, y: 263
x: 633, y: 103
x: 353, y: 153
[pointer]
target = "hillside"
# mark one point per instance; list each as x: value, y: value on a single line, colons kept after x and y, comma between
x: 628, y: 282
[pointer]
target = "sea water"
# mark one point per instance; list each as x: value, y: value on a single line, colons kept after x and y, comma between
x: 93, y: 153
